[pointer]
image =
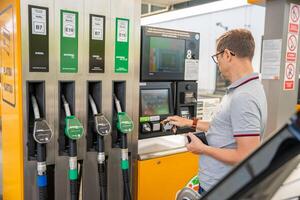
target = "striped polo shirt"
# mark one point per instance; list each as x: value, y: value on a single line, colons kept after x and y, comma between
x: 242, y: 112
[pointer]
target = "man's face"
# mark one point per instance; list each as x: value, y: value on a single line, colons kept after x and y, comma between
x: 224, y: 62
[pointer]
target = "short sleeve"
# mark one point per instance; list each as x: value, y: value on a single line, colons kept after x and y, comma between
x: 245, y: 115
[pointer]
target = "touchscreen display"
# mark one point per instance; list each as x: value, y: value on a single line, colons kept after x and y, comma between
x: 155, y: 102
x: 166, y: 55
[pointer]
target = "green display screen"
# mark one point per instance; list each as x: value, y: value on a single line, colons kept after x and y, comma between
x: 166, y: 55
x: 155, y: 102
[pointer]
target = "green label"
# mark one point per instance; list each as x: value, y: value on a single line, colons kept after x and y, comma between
x: 124, y: 164
x: 73, y: 174
x: 68, y: 41
x: 121, y: 45
x: 144, y: 119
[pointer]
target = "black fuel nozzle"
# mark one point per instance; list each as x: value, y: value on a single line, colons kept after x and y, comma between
x: 42, y: 133
x: 101, y: 124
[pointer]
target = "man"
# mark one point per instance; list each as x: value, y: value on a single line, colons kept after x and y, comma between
x: 239, y: 122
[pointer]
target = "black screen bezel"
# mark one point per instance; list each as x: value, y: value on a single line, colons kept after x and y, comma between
x: 158, y: 86
x: 146, y: 75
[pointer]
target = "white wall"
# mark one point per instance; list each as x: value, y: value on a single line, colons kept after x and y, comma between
x: 250, y: 16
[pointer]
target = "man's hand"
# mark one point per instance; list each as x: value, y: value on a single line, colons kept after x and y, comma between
x: 196, y: 146
x: 178, y: 121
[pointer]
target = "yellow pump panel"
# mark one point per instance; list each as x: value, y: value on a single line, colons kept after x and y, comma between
x: 161, y: 178
x: 12, y: 133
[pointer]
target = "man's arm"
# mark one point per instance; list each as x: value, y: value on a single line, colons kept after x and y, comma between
x: 202, y: 125
x: 245, y: 145
x: 182, y: 122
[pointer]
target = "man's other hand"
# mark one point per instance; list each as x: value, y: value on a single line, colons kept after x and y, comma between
x: 196, y: 146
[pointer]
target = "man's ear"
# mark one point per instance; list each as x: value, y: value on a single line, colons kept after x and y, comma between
x: 227, y: 55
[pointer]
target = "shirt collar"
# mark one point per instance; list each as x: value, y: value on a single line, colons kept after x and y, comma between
x: 243, y: 80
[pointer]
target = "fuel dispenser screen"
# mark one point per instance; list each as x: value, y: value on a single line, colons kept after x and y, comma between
x: 166, y: 55
x: 155, y: 102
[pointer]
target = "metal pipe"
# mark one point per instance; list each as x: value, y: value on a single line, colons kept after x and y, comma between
x: 35, y: 107
x: 93, y: 105
x: 66, y: 106
x: 117, y: 103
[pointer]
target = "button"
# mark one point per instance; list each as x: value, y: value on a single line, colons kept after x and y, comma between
x: 146, y: 128
x: 156, y: 126
x: 154, y: 118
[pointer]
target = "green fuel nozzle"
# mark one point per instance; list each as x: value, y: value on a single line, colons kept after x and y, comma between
x: 124, y: 122
x: 74, y: 129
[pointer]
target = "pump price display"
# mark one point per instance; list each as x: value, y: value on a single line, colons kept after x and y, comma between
x: 69, y: 24
x: 69, y: 42
x: 97, y: 44
x: 97, y: 28
x: 38, y: 39
x: 122, y: 45
x: 39, y: 21
x: 122, y: 30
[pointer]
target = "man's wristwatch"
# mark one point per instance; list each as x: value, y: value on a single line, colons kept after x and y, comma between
x: 195, y: 121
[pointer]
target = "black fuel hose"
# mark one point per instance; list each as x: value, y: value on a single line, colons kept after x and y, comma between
x: 42, y: 178
x: 74, y: 191
x: 125, y: 171
x: 127, y: 193
x: 41, y: 158
x: 102, y: 168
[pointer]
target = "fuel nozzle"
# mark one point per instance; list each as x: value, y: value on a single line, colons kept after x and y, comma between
x: 124, y: 122
x: 101, y: 124
x: 42, y: 133
x: 74, y: 128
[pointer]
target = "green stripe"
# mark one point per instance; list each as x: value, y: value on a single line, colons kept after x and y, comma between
x: 124, y: 164
x: 73, y: 174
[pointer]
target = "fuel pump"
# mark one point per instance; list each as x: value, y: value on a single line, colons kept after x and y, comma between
x: 102, y: 127
x: 42, y: 134
x: 125, y: 126
x: 74, y: 131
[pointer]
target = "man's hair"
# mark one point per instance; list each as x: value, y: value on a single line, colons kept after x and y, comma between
x: 239, y: 41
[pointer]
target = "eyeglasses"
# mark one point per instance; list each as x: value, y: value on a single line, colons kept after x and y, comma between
x: 215, y: 57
